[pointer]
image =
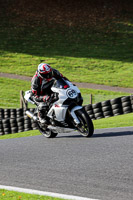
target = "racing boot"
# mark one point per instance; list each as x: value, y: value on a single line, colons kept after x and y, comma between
x: 42, y: 118
x: 42, y: 112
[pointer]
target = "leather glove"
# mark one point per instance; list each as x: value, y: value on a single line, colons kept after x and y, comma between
x: 46, y: 98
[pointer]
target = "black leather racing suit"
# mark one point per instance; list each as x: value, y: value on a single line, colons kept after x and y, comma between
x: 41, y: 90
x: 41, y: 86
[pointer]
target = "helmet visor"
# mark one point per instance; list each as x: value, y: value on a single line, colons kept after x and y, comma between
x: 47, y: 76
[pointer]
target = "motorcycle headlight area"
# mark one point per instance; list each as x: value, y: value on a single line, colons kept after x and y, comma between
x: 78, y: 99
x: 71, y: 93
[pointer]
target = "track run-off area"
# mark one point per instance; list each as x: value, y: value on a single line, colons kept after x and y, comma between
x: 100, y: 167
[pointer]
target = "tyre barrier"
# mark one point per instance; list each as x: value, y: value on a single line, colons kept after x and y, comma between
x: 15, y: 120
x: 11, y: 113
x: 21, y: 124
x: 110, y: 108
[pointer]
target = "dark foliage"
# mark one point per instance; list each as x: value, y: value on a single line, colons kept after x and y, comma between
x: 100, y: 13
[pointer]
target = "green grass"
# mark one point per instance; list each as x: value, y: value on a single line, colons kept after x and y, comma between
x: 113, y: 122
x: 99, y: 95
x: 21, y: 134
x: 10, y: 93
x: 11, y: 195
x: 83, y: 55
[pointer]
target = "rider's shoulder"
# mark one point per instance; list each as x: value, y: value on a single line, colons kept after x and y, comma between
x: 56, y: 72
x: 36, y: 77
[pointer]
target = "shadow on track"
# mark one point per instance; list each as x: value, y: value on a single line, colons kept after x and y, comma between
x: 98, y: 135
x: 70, y: 136
x: 113, y: 134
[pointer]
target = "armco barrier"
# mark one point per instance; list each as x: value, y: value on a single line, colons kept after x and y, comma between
x: 15, y: 120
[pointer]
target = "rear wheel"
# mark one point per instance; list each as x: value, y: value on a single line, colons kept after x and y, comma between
x: 46, y: 132
x: 85, y: 127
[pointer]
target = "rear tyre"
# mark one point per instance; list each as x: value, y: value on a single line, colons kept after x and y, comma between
x: 46, y: 132
x: 85, y: 127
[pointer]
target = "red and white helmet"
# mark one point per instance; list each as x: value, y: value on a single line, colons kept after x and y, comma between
x: 45, y: 71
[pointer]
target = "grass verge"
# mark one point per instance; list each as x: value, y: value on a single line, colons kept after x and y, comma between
x: 11, y: 195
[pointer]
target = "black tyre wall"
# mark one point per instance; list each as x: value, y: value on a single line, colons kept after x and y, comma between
x: 109, y: 108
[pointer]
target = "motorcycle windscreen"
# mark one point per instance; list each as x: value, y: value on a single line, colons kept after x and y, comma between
x: 61, y: 83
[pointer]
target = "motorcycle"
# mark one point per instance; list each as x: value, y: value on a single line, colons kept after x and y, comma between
x: 65, y: 112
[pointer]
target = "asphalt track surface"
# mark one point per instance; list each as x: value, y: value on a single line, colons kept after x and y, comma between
x: 100, y: 167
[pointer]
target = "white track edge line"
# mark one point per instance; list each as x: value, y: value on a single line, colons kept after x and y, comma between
x: 38, y: 192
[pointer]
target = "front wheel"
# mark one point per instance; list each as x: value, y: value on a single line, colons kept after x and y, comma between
x: 85, y: 127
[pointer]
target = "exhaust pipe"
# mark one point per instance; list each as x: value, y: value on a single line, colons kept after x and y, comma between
x: 31, y: 115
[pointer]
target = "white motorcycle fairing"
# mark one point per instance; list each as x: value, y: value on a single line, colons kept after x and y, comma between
x: 58, y: 108
x: 27, y: 96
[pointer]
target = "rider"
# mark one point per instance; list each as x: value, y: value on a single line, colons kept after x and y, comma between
x: 41, y: 85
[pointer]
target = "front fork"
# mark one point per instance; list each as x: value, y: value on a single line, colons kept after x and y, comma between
x: 75, y: 118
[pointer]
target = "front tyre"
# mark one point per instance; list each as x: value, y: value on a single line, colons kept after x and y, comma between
x: 85, y: 127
